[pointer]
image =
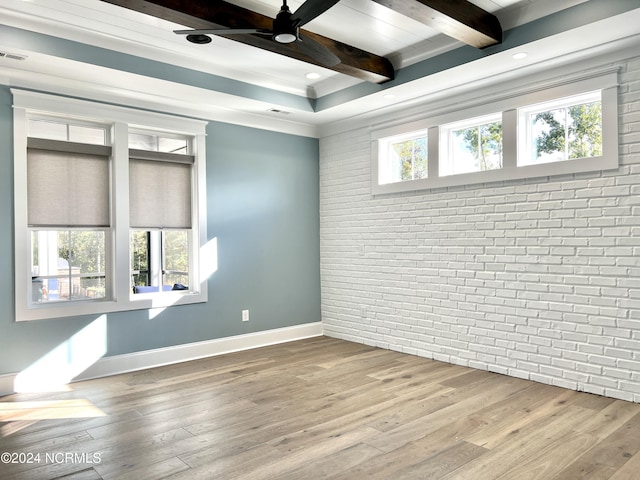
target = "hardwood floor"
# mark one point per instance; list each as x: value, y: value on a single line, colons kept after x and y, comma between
x: 318, y: 408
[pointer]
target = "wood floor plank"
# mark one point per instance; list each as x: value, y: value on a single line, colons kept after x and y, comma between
x: 331, y: 465
x: 547, y: 402
x: 154, y: 471
x: 609, y: 419
x: 442, y: 463
x: 400, y: 427
x: 613, y: 451
x: 523, y: 444
x: 44, y: 432
x: 321, y: 408
x: 629, y: 471
x: 553, y: 458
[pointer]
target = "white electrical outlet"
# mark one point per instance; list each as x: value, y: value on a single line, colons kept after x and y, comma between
x: 245, y: 315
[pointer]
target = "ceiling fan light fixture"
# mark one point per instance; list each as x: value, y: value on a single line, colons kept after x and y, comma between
x: 199, y: 39
x: 285, y: 30
x: 285, y: 37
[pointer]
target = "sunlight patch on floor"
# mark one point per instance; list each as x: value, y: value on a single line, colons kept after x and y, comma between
x: 48, y: 410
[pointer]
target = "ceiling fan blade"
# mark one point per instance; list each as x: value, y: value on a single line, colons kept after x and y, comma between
x: 310, y: 10
x: 317, y: 51
x: 224, y: 31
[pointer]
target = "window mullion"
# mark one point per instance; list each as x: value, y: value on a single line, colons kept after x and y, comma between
x: 433, y: 146
x: 510, y: 139
x: 120, y: 217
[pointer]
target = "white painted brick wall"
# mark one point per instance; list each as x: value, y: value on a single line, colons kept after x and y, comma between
x: 538, y: 278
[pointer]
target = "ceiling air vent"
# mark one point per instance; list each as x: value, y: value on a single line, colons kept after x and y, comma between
x: 12, y: 56
x: 281, y: 112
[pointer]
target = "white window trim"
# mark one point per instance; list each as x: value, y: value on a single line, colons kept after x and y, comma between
x: 525, y: 127
x: 606, y: 81
x: 121, y: 118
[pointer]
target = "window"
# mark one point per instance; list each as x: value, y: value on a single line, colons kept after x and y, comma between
x: 473, y: 145
x: 159, y: 259
x: 68, y: 265
x: 68, y: 210
x: 160, y: 178
x: 405, y: 158
x: 569, y: 126
x: 562, y: 129
x: 107, y: 199
x: 59, y: 129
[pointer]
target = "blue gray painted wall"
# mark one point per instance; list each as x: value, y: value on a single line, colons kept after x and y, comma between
x: 263, y: 209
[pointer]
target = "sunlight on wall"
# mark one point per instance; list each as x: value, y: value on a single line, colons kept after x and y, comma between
x: 56, y: 369
x: 209, y: 258
x: 208, y: 266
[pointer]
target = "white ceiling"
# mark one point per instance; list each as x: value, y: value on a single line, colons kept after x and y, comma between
x: 361, y: 23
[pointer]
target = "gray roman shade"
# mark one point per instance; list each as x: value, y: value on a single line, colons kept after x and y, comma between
x: 159, y: 189
x: 67, y: 184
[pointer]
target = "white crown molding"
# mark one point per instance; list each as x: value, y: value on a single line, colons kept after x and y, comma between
x: 157, y: 95
x: 484, y: 89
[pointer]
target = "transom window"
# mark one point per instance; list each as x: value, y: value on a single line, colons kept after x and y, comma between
x: 563, y: 129
x: 156, y: 142
x: 405, y: 157
x: 567, y: 128
x: 473, y: 145
x: 60, y: 129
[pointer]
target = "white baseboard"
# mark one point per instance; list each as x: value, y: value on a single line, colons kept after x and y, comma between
x: 6, y: 384
x: 182, y: 353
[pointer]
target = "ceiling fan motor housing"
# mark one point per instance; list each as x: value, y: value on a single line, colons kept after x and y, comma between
x: 284, y: 30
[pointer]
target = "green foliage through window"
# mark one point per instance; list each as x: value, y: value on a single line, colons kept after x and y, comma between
x: 412, y: 156
x: 68, y: 265
x: 568, y: 133
x: 485, y: 143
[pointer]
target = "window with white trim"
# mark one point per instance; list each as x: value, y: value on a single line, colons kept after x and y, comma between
x: 405, y: 157
x: 471, y: 145
x: 107, y: 199
x: 68, y: 214
x: 160, y: 177
x: 561, y: 129
x: 567, y: 127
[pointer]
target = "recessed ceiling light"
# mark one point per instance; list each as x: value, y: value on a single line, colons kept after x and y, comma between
x: 519, y: 55
x: 312, y: 75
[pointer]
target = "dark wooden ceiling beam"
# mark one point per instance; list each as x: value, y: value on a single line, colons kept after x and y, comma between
x: 459, y: 19
x: 220, y: 14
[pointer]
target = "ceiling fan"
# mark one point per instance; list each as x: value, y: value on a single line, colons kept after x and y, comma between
x: 285, y: 30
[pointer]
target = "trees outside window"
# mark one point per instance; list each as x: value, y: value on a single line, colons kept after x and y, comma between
x: 405, y: 157
x: 569, y: 132
x: 412, y: 158
x: 472, y: 145
x: 484, y: 143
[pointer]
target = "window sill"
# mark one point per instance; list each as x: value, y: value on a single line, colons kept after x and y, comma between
x: 608, y: 162
x: 141, y: 301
